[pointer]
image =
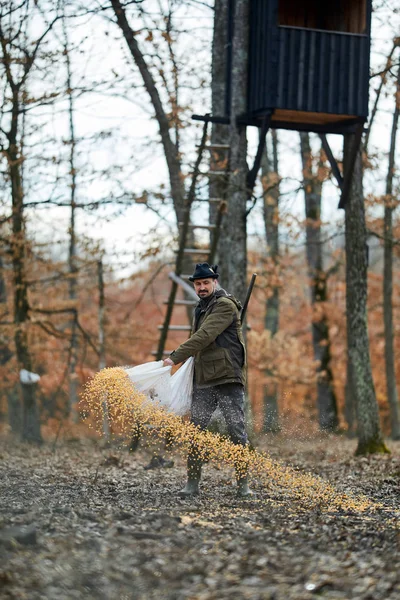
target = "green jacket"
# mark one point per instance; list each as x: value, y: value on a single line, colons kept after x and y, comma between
x: 216, y: 342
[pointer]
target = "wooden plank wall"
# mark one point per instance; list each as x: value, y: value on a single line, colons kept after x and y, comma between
x: 263, y: 54
x: 323, y: 72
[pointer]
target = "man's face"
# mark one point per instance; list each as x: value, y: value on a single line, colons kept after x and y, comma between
x: 204, y: 287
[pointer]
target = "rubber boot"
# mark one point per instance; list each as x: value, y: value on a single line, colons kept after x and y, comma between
x: 243, y: 489
x: 242, y: 479
x: 194, y: 475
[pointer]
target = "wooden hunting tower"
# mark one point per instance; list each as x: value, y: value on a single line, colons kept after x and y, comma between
x: 308, y: 70
x: 308, y: 64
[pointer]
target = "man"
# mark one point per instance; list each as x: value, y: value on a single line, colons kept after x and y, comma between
x: 219, y: 354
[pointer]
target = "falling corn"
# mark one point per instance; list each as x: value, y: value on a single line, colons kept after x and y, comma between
x: 111, y: 395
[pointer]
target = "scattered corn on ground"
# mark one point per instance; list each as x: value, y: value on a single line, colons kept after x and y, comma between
x: 110, y: 394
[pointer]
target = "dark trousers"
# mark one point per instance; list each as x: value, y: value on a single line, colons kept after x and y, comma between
x: 229, y: 397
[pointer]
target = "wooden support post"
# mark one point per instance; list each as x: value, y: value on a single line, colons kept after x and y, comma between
x: 211, y: 119
x: 332, y: 160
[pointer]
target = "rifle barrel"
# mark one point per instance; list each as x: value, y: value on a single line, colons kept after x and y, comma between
x: 249, y: 291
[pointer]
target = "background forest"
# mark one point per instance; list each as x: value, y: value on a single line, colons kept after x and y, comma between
x: 101, y: 158
x: 97, y: 148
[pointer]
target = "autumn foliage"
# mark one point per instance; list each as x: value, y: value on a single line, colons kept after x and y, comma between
x: 134, y: 309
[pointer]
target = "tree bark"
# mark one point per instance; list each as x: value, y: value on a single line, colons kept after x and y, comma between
x: 370, y: 439
x: 30, y: 416
x: 270, y: 183
x: 102, y: 345
x: 312, y: 184
x: 388, y: 276
x: 234, y: 258
x: 219, y: 133
x: 14, y: 411
x: 72, y: 254
x: 349, y: 404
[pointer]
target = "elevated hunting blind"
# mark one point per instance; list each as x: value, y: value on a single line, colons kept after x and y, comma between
x: 308, y: 70
x: 308, y: 64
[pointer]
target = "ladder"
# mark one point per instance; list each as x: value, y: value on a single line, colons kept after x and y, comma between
x: 179, y: 279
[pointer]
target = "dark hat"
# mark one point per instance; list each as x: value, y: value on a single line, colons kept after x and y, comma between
x: 204, y: 271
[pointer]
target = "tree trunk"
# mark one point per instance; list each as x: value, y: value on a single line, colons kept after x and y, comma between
x: 102, y: 345
x: 270, y: 183
x: 220, y: 133
x: 326, y: 400
x: 72, y: 255
x: 30, y: 417
x: 233, y: 241
x: 14, y: 411
x: 369, y: 433
x: 349, y: 405
x: 388, y: 276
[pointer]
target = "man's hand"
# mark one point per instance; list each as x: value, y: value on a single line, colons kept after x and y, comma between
x: 168, y: 362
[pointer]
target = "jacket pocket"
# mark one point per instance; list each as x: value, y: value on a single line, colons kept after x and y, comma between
x: 216, y: 365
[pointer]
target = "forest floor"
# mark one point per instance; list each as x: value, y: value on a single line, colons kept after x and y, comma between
x: 81, y: 521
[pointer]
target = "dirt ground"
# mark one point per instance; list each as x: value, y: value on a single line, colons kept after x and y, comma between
x: 79, y: 521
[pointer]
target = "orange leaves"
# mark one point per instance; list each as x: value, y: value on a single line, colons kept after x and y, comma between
x: 286, y: 358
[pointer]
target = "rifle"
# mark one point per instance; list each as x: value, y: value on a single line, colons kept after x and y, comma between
x: 246, y: 302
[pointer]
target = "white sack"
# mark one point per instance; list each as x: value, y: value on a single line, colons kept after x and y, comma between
x: 173, y: 392
x: 28, y: 378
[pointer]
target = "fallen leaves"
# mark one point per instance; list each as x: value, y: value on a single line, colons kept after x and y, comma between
x: 126, y: 534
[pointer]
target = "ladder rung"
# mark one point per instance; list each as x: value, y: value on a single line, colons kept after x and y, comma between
x: 215, y: 147
x: 200, y: 226
x: 177, y: 327
x: 182, y: 302
x: 214, y: 173
x: 196, y: 251
x: 209, y: 200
